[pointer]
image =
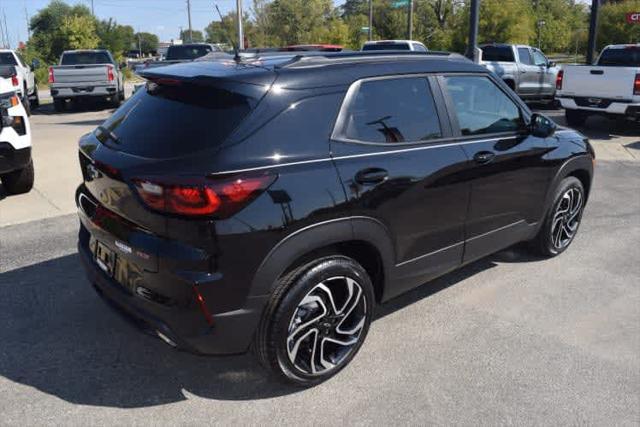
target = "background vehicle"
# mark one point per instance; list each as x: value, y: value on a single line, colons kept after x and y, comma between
x: 524, y: 69
x: 395, y: 45
x: 181, y: 53
x: 86, y: 74
x: 611, y: 87
x: 25, y: 78
x: 207, y: 217
x: 16, y: 166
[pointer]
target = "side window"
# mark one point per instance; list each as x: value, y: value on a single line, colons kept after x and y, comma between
x: 481, y: 107
x: 21, y: 60
x: 525, y: 55
x: 419, y: 48
x: 539, y: 58
x: 392, y: 110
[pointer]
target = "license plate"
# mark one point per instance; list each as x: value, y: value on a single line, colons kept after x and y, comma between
x: 105, y: 258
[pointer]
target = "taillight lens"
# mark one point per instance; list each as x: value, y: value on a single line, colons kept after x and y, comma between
x: 636, y: 85
x: 205, y: 198
x: 110, y: 75
x: 559, y: 79
x: 51, y: 78
x: 14, y: 80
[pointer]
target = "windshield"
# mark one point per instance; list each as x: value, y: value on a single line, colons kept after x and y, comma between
x: 386, y: 46
x: 6, y: 58
x: 85, y: 58
x: 187, y: 52
x: 616, y: 57
x: 497, y: 54
x: 164, y: 121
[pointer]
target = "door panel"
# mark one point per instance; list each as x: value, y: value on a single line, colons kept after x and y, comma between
x: 529, y: 73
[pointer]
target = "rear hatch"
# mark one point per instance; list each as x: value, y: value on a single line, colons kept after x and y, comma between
x: 599, y: 82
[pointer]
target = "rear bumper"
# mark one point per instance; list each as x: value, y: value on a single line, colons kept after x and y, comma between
x: 182, y: 326
x: 613, y: 108
x: 12, y: 159
x: 89, y: 90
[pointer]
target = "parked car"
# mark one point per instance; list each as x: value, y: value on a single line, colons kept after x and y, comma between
x: 86, y: 74
x: 16, y: 166
x: 525, y: 69
x: 24, y: 80
x: 610, y: 88
x: 181, y: 53
x: 411, y: 45
x: 207, y: 218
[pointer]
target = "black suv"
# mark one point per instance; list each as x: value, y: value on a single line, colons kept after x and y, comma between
x: 273, y: 202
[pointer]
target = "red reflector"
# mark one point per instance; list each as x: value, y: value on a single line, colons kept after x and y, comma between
x: 51, y: 78
x: 14, y: 80
x: 203, y: 306
x: 636, y: 85
x: 559, y: 80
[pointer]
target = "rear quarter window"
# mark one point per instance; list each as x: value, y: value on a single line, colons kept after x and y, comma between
x: 497, y: 54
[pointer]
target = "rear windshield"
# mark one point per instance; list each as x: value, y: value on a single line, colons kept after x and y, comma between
x: 626, y: 57
x: 85, y: 58
x: 164, y: 121
x: 187, y: 52
x: 6, y: 58
x: 497, y: 54
x: 386, y: 46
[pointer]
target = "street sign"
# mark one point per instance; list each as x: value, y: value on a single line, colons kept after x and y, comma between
x: 400, y: 3
x: 633, y: 18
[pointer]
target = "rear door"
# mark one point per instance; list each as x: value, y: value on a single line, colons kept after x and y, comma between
x: 547, y: 78
x: 507, y: 170
x: 529, y: 81
x: 392, y: 147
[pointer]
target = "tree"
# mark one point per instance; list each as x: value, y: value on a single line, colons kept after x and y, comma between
x: 148, y: 42
x: 299, y: 21
x: 196, y: 36
x: 117, y: 38
x: 613, y: 27
x: 78, y: 32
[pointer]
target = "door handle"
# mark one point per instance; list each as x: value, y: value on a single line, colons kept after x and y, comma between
x: 484, y: 157
x: 371, y: 176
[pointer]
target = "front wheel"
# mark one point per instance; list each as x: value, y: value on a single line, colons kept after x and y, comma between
x: 316, y: 320
x: 562, y: 220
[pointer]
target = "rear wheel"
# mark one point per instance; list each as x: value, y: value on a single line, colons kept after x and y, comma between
x: 35, y: 101
x: 116, y: 100
x: 575, y: 117
x: 20, y: 181
x: 25, y: 102
x: 316, y: 321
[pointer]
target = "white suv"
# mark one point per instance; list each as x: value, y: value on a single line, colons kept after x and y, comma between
x: 410, y: 45
x: 16, y: 165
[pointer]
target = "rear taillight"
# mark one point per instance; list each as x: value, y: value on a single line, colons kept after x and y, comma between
x: 14, y: 80
x: 636, y: 85
x: 51, y: 78
x: 220, y: 198
x: 110, y: 75
x: 559, y: 79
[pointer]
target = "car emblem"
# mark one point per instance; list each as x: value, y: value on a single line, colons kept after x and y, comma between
x: 92, y: 172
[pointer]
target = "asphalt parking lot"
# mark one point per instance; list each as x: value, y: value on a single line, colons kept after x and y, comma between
x: 510, y: 339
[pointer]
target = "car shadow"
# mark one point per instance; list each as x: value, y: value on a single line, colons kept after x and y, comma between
x: 71, y: 108
x: 597, y: 127
x: 62, y: 339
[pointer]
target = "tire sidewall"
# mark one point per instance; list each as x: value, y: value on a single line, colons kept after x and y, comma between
x: 565, y: 185
x: 314, y: 274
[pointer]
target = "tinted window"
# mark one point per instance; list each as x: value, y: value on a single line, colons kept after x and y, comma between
x: 538, y: 58
x: 168, y: 121
x: 386, y: 46
x: 6, y: 58
x: 187, y: 52
x: 497, y: 54
x: 481, y: 107
x: 85, y: 58
x: 525, y: 56
x: 398, y: 110
x: 626, y: 57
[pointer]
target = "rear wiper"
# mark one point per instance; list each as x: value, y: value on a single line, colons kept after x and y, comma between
x: 105, y: 133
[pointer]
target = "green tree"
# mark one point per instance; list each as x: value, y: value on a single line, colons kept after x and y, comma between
x: 613, y: 27
x: 196, y: 36
x: 299, y: 21
x: 116, y: 38
x: 147, y: 42
x: 78, y: 32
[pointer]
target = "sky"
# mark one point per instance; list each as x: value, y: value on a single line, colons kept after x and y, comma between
x: 161, y: 17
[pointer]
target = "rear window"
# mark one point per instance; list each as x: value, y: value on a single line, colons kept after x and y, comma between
x: 164, y: 121
x: 626, y: 57
x: 187, y: 52
x: 6, y: 58
x: 497, y: 54
x: 386, y: 46
x: 85, y: 58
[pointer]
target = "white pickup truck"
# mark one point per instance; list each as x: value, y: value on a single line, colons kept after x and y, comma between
x: 24, y: 80
x: 610, y: 88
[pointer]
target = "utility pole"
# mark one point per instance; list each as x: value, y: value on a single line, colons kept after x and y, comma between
x: 189, y: 14
x: 410, y: 20
x: 473, y: 29
x: 593, y: 31
x: 26, y: 15
x: 93, y: 12
x: 6, y: 29
x: 239, y: 24
x: 370, y: 20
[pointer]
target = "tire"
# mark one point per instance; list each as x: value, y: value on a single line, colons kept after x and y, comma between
x: 58, y: 104
x: 35, y: 102
x: 563, y: 219
x: 122, y: 95
x: 575, y: 117
x: 116, y: 100
x: 25, y: 102
x: 20, y: 181
x: 292, y: 331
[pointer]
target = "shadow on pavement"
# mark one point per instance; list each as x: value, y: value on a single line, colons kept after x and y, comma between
x: 71, y: 108
x: 62, y: 339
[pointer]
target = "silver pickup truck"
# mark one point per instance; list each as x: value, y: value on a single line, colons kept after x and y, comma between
x: 524, y: 69
x: 86, y: 73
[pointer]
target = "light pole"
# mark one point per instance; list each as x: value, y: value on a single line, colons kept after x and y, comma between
x: 370, y: 20
x: 189, y: 15
x: 239, y: 23
x: 410, y: 20
x: 593, y: 31
x: 541, y: 23
x: 473, y: 29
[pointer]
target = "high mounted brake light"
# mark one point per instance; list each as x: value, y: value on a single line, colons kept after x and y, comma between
x: 219, y: 198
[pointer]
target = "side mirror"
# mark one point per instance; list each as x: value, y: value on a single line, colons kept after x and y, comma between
x: 542, y: 126
x: 551, y: 64
x: 35, y: 64
x: 123, y: 65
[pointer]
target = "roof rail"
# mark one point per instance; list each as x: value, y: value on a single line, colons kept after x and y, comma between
x: 304, y: 59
